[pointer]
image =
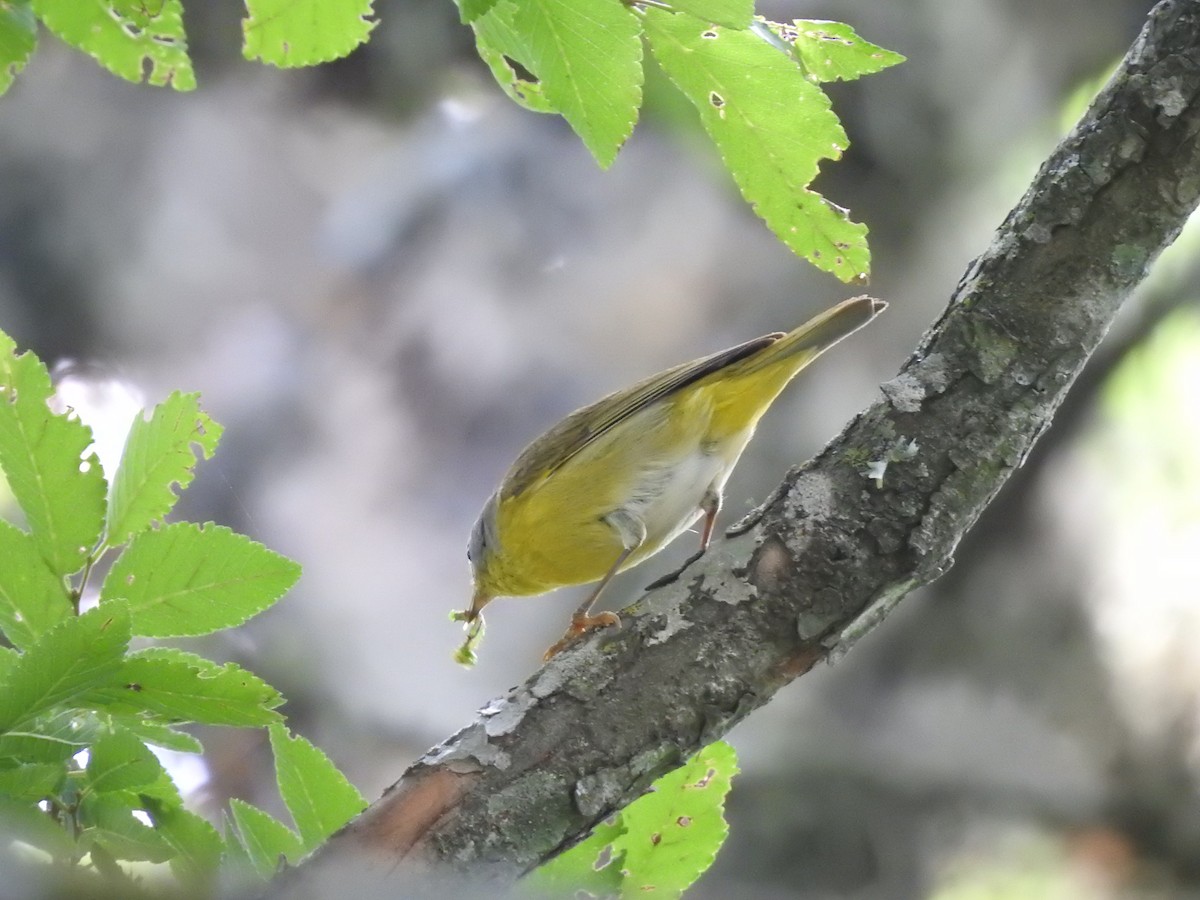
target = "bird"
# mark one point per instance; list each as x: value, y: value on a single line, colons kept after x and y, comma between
x: 616, y: 481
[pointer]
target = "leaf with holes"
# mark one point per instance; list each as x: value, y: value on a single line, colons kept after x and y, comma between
x: 659, y: 844
x: 506, y: 53
x: 60, y: 490
x: 137, y: 40
x: 772, y: 126
x: 833, y: 51
x: 158, y: 457
x: 289, y: 34
x: 185, y: 579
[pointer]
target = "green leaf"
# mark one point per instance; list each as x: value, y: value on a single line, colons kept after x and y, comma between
x: 587, y: 57
x: 61, y: 491
x: 672, y: 834
x: 78, y: 655
x: 18, y: 38
x: 266, y: 840
x: 119, y: 761
x: 832, y: 51
x: 196, y: 844
x: 732, y: 13
x: 658, y: 845
x: 503, y: 48
x: 185, y: 579
x: 470, y: 10
x: 590, y: 868
x: 126, y: 37
x: 23, y: 820
x: 32, y: 598
x: 317, y: 795
x: 32, y: 782
x: 158, y: 733
x: 293, y: 33
x: 772, y: 127
x: 109, y: 820
x: 183, y: 687
x: 52, y: 738
x: 158, y: 455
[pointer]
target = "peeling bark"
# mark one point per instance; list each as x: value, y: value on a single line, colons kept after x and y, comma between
x: 876, y: 514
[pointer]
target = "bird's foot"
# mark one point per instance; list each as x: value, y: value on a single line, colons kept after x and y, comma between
x: 581, y: 625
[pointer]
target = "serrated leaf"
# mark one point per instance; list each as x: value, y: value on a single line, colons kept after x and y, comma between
x: 196, y: 844
x: 156, y: 732
x: 127, y: 37
x: 319, y: 797
x: 587, y: 58
x: 53, y: 737
x: 503, y: 48
x: 672, y: 834
x: 185, y: 579
x: 732, y: 13
x: 184, y: 687
x: 659, y: 844
x: 119, y: 761
x: 18, y: 38
x: 32, y: 782
x: 160, y: 454
x: 470, y: 10
x: 109, y: 820
x: 78, y: 655
x: 32, y: 598
x: 60, y: 491
x: 266, y: 840
x: 772, y: 126
x: 833, y: 51
x: 293, y: 33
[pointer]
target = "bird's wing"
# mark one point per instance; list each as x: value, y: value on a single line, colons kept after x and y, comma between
x: 560, y: 444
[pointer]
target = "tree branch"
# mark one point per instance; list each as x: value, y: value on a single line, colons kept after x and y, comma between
x: 876, y: 514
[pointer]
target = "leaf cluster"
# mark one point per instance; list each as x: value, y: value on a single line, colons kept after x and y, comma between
x: 755, y: 84
x: 82, y: 711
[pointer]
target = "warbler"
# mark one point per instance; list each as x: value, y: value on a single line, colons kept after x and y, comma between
x: 616, y: 481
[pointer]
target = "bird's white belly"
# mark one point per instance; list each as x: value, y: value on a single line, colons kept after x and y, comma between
x: 667, y: 498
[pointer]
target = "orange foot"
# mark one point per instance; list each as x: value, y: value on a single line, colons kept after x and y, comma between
x: 581, y: 625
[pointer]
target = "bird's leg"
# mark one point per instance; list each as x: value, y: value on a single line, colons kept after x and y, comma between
x: 710, y: 505
x: 633, y: 535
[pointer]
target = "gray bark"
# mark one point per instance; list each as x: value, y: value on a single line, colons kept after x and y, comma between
x: 876, y: 514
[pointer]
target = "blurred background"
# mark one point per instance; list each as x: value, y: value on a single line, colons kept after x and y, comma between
x: 385, y: 279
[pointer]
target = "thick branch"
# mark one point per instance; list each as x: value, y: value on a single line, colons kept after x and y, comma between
x: 836, y: 549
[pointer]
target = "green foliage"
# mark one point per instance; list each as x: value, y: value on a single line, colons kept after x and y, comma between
x: 317, y: 795
x: 127, y: 37
x: 18, y: 38
x: 79, y: 710
x: 659, y: 844
x: 755, y: 83
x: 772, y: 125
x: 184, y: 579
x: 832, y: 51
x: 290, y: 34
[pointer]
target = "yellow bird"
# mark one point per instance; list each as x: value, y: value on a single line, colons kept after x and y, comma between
x: 615, y: 482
